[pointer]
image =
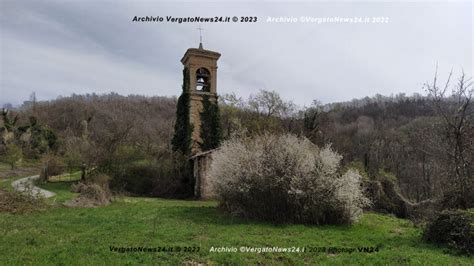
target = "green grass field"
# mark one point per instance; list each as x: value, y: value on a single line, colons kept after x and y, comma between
x: 61, y: 185
x: 80, y: 236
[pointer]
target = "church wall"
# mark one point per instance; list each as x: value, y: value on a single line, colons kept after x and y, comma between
x: 204, y: 187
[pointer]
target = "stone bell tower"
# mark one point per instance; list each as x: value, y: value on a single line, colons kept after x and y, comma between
x: 201, y: 66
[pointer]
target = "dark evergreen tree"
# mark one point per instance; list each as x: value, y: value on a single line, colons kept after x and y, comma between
x: 210, y: 124
x: 181, y: 141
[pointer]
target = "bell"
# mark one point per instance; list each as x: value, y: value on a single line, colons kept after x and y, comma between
x: 201, y: 82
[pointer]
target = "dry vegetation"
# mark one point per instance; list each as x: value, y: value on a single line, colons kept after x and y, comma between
x: 90, y: 195
x: 20, y: 203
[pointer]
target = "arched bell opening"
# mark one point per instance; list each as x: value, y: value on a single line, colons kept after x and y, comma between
x: 203, y: 77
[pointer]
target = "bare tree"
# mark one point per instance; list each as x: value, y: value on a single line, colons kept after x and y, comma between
x: 269, y: 103
x: 457, y: 115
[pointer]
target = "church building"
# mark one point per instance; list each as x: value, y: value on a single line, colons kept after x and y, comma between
x: 197, y: 122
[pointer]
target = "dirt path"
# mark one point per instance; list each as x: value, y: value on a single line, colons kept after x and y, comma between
x: 27, y: 183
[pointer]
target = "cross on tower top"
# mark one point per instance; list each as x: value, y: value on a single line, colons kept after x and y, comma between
x: 200, y: 37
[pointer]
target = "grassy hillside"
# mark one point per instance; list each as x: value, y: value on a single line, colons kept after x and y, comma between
x: 83, y: 236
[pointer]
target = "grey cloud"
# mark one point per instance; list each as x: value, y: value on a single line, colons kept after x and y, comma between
x: 63, y: 47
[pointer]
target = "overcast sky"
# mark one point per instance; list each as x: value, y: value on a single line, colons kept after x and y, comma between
x: 62, y: 47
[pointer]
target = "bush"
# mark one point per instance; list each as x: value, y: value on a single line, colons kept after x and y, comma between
x: 136, y: 178
x: 91, y: 194
x: 13, y: 155
x: 454, y: 229
x: 147, y: 178
x: 286, y: 179
x: 20, y: 202
x: 96, y: 193
x: 453, y: 198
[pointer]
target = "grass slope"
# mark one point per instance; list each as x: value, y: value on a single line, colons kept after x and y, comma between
x: 83, y: 236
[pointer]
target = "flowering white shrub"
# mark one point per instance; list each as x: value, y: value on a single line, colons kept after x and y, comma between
x: 283, y: 178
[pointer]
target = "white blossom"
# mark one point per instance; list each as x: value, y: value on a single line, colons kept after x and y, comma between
x: 252, y: 174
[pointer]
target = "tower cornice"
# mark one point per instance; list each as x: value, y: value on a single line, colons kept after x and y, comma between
x: 200, y: 53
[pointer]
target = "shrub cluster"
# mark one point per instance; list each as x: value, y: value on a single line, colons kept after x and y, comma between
x: 283, y: 178
x: 94, y: 192
x: 91, y: 195
x: 454, y: 229
x: 148, y: 177
x: 21, y: 202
